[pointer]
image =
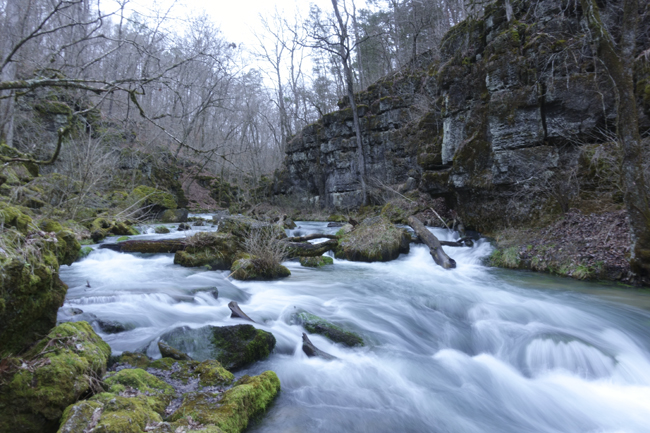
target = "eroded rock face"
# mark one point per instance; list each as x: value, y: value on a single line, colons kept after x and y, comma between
x: 495, y: 125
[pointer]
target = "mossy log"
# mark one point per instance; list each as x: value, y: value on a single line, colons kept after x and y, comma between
x: 439, y: 256
x: 305, y: 249
x: 147, y: 246
x: 310, y: 237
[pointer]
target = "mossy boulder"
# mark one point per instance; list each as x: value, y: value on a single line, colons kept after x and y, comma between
x: 217, y: 251
x: 84, y: 252
x: 251, y: 267
x: 317, y: 325
x: 153, y: 199
x: 316, y: 262
x: 56, y: 372
x: 249, y: 398
x: 102, y: 227
x: 174, y: 216
x: 158, y: 393
x: 234, y: 347
x: 241, y: 227
x: 13, y: 217
x: 374, y: 239
x: 161, y: 230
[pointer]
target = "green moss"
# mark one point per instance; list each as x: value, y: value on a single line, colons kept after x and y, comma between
x: 157, y: 392
x: 122, y: 239
x: 148, y: 196
x: 337, y: 218
x: 316, y: 262
x: 211, y: 373
x: 240, y: 345
x: 84, y: 252
x: 505, y: 258
x: 137, y: 360
x: 13, y: 217
x: 161, y: 230
x: 125, y: 414
x: 250, y: 268
x: 217, y: 251
x: 250, y: 397
x: 53, y: 107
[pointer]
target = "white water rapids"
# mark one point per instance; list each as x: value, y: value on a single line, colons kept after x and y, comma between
x: 474, y: 349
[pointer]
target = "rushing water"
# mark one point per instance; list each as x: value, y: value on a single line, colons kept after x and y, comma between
x: 473, y: 349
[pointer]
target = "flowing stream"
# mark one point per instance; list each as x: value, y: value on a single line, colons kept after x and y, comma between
x: 474, y: 349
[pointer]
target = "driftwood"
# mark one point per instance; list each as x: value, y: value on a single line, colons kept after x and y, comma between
x: 147, y: 246
x: 309, y: 237
x: 237, y: 312
x: 305, y: 249
x: 439, y: 256
x: 311, y: 350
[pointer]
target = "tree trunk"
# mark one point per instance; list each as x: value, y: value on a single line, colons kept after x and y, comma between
x: 305, y: 249
x: 619, y: 61
x: 439, y: 256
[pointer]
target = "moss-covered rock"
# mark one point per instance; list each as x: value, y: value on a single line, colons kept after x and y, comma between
x: 84, y: 252
x: 157, y: 392
x: 374, y: 239
x: 316, y: 262
x: 62, y: 367
x: 217, y: 251
x: 161, y: 230
x: 317, y: 325
x: 174, y: 216
x: 13, y: 217
x: 102, y: 227
x: 248, y: 398
x: 233, y: 346
x: 146, y: 196
x: 253, y: 268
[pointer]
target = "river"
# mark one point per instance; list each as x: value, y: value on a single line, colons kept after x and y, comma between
x: 473, y: 349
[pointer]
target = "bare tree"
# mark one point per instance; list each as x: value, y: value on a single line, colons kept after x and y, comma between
x: 618, y: 58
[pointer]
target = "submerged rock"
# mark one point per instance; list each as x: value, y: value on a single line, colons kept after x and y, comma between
x: 233, y: 346
x: 56, y: 372
x: 317, y: 325
x: 374, y: 239
x: 316, y: 262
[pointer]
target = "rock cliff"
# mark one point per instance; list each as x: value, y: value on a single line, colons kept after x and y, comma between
x: 506, y: 124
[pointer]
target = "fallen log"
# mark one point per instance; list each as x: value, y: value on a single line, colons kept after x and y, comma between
x: 147, y: 246
x: 235, y: 311
x: 312, y: 351
x: 305, y: 249
x: 310, y: 237
x: 439, y: 256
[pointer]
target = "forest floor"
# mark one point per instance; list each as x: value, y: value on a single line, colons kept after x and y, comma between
x: 583, y: 246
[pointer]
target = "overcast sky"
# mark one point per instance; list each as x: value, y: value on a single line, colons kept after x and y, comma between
x: 236, y: 18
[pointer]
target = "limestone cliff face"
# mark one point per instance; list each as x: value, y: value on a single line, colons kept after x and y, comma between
x: 497, y: 125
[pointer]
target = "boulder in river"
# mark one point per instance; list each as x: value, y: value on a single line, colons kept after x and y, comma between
x: 174, y: 216
x: 250, y: 267
x: 161, y: 230
x: 169, y: 352
x: 316, y: 262
x: 374, y: 239
x: 234, y: 347
x: 102, y: 227
x: 216, y: 251
x: 61, y: 368
x: 317, y: 325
